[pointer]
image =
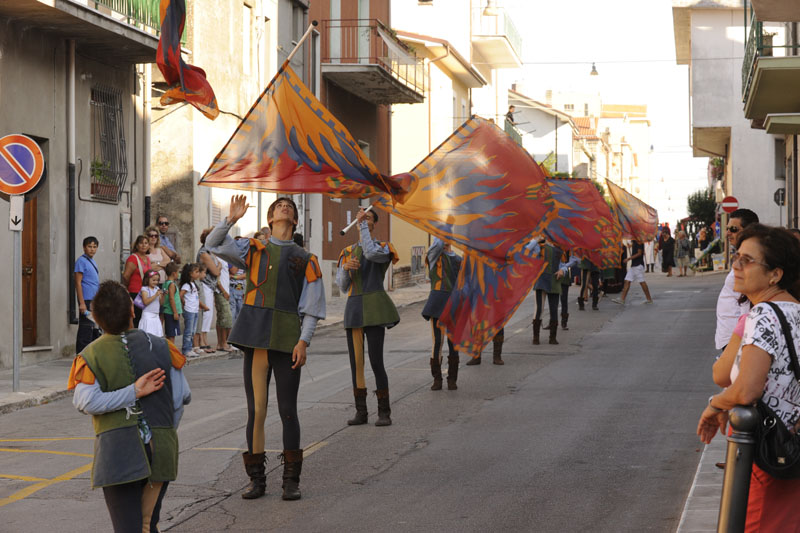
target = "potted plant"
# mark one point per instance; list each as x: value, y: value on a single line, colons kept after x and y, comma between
x: 103, y: 183
x: 716, y: 166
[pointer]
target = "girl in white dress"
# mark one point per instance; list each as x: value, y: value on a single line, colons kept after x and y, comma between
x: 153, y: 297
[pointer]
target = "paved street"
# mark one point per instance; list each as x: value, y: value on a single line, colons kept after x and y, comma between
x: 595, y: 434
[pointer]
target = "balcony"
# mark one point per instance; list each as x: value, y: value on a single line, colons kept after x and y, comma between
x: 769, y: 70
x: 781, y: 10
x: 117, y: 30
x: 496, y: 39
x: 513, y: 132
x: 363, y: 57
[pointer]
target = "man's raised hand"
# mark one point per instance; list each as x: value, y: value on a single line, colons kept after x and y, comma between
x: 238, y: 208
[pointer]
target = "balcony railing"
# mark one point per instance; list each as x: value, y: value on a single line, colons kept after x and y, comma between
x: 513, y: 132
x: 759, y: 44
x: 141, y: 13
x: 497, y: 25
x: 370, y: 42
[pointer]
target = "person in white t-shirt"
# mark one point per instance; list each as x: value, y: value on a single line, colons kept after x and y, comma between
x: 728, y: 307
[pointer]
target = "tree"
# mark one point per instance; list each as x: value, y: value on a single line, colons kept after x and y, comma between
x: 702, y: 206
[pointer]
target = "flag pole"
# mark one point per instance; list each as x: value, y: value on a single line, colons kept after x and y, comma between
x: 301, y: 41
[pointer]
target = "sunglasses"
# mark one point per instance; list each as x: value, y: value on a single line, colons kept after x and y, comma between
x: 163, y: 223
x: 152, y: 234
x: 732, y: 229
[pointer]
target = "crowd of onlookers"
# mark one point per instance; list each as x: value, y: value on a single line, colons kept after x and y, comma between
x: 171, y: 298
x: 680, y: 252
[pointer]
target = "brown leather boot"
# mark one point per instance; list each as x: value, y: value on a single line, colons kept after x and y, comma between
x: 436, y: 372
x: 474, y: 361
x: 452, y: 371
x: 384, y: 410
x: 536, y: 325
x: 361, y: 408
x: 255, y: 466
x: 581, y: 303
x: 497, y: 349
x: 564, y: 319
x: 292, y: 467
x: 553, y: 331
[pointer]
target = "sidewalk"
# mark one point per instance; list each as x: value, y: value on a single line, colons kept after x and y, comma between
x: 46, y: 382
x: 701, y: 510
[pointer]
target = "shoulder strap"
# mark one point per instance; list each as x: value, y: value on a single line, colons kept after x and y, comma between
x: 89, y: 260
x: 787, y: 332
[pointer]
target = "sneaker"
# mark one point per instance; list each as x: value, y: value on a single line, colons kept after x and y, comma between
x: 648, y: 301
x: 618, y: 301
x: 190, y: 354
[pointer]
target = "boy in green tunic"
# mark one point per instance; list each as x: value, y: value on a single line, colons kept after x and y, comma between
x: 369, y: 312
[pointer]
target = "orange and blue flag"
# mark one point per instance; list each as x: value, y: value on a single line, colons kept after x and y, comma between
x: 639, y: 221
x: 289, y: 142
x: 479, y: 191
x: 485, y: 297
x: 585, y: 225
x: 187, y: 83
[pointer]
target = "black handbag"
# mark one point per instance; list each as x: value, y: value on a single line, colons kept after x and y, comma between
x: 777, y: 449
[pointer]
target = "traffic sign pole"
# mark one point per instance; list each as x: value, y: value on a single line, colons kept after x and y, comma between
x: 15, y: 224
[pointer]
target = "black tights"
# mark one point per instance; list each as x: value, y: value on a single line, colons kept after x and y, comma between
x: 258, y: 368
x: 355, y: 345
x: 552, y: 303
x: 438, y: 332
x: 564, y: 299
x: 592, y: 276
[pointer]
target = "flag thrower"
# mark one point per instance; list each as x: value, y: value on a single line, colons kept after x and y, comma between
x: 353, y: 223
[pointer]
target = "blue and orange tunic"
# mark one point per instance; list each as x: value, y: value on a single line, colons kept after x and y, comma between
x: 283, y: 289
x: 443, y: 268
x: 367, y: 302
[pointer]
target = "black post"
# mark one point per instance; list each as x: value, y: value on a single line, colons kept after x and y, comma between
x: 738, y: 467
x: 146, y: 211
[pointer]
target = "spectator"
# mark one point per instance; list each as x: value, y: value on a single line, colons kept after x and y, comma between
x: 298, y: 239
x: 223, y: 307
x: 728, y: 307
x: 171, y: 249
x: 236, y: 291
x: 208, y: 287
x: 666, y: 244
x: 765, y: 263
x: 87, y: 280
x: 133, y: 274
x: 153, y: 298
x: 172, y: 308
x: 191, y: 306
x: 682, y: 249
x: 201, y: 337
x: 261, y: 236
x: 510, y: 115
x: 157, y: 256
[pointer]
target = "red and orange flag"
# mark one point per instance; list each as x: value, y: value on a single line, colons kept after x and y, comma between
x: 187, y: 83
x: 638, y: 220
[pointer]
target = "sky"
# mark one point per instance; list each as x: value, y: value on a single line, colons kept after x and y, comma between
x: 633, y: 46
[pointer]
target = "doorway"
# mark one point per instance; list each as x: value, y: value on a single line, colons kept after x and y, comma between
x: 29, y: 274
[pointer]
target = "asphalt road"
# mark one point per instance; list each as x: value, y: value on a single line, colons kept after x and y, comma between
x: 595, y: 434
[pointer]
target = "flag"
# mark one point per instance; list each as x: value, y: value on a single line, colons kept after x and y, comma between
x: 585, y: 225
x: 289, y: 142
x: 187, y: 83
x: 479, y: 191
x: 484, y: 194
x: 639, y: 221
x: 485, y: 297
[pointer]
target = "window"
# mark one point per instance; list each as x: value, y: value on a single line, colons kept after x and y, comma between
x: 109, y: 167
x: 569, y: 107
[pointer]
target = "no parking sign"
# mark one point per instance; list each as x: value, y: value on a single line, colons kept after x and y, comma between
x: 21, y: 169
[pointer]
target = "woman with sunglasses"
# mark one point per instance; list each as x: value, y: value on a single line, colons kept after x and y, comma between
x: 765, y: 272
x: 157, y: 256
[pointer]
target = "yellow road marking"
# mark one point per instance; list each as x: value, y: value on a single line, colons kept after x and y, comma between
x: 24, y: 493
x: 52, y: 452
x: 311, y: 448
x: 47, y: 439
x: 225, y: 449
x: 22, y: 478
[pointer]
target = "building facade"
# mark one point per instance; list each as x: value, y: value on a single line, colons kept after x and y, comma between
x: 71, y: 79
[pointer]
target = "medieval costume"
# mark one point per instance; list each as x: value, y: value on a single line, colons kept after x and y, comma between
x: 368, y: 313
x: 443, y: 267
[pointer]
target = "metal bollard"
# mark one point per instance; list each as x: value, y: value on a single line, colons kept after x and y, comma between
x: 738, y: 467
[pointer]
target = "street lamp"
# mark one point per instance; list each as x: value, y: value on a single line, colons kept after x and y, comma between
x: 594, y: 70
x: 491, y: 9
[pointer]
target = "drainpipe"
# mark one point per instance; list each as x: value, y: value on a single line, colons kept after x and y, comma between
x: 795, y: 207
x: 71, y: 158
x: 430, y: 62
x: 146, y: 141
